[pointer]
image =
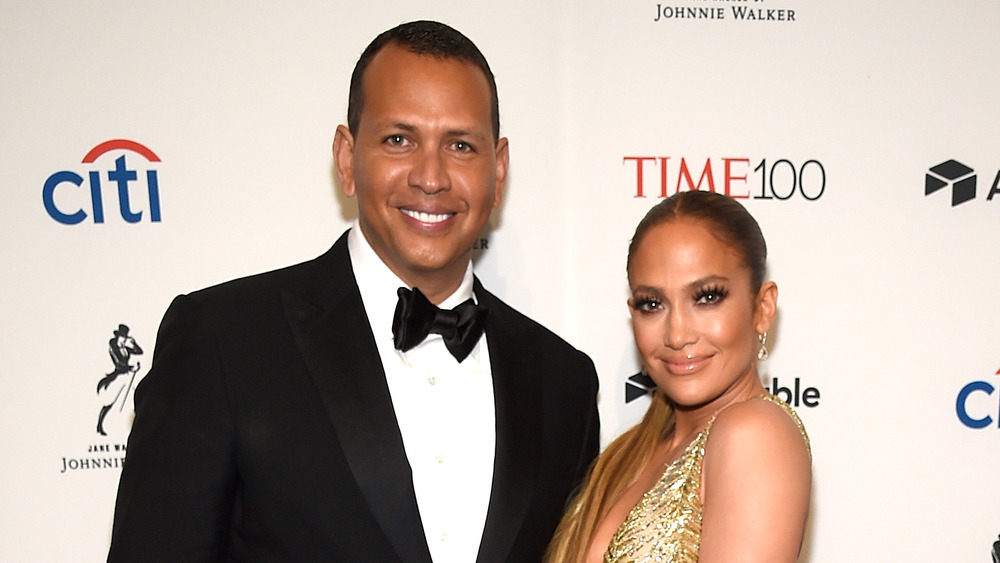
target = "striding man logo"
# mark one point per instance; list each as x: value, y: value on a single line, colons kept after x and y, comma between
x: 114, y: 388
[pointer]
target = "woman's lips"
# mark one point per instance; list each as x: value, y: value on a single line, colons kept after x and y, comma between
x: 686, y: 364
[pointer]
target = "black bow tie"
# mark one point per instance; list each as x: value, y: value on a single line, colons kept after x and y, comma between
x: 416, y: 317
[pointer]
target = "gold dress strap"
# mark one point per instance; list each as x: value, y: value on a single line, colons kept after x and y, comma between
x: 665, y: 525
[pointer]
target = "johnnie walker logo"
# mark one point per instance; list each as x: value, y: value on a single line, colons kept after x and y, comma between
x: 114, y: 390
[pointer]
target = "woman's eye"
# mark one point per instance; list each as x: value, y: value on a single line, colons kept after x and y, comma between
x: 710, y: 296
x: 647, y: 305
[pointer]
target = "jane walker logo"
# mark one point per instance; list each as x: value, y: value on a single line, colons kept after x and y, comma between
x: 114, y: 389
x: 960, y: 178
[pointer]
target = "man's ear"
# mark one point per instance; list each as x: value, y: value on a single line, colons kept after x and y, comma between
x: 503, y: 161
x: 765, y: 307
x: 343, y: 159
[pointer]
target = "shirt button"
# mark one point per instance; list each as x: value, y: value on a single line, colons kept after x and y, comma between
x: 431, y: 380
x: 439, y: 458
x: 444, y: 537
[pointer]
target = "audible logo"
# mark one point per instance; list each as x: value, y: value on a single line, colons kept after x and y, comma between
x: 639, y: 385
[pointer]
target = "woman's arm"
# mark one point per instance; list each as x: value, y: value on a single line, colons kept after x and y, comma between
x: 756, y: 482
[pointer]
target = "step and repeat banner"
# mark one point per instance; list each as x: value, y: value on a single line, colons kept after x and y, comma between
x: 151, y: 149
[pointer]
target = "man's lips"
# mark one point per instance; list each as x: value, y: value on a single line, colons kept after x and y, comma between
x: 425, y: 217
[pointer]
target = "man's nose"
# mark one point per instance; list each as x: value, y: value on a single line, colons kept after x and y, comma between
x: 430, y: 171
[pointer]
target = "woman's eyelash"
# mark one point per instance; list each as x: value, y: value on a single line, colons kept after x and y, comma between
x: 645, y: 304
x: 711, y: 294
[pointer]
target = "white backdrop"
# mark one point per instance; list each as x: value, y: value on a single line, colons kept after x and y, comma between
x: 886, y: 309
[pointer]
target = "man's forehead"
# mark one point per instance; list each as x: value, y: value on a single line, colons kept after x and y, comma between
x: 405, y: 89
x: 397, y: 58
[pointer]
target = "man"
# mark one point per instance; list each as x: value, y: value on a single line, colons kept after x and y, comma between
x: 284, y: 419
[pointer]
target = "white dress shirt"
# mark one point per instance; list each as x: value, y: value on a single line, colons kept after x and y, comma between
x: 445, y: 411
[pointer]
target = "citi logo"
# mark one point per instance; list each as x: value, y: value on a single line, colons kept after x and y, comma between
x: 961, y: 179
x: 974, y: 400
x: 68, y: 202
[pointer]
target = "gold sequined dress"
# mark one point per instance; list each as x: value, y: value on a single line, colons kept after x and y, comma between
x: 665, y: 525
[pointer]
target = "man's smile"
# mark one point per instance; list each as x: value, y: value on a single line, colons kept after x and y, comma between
x: 424, y: 217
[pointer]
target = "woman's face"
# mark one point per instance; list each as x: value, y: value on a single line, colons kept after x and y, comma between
x: 695, y: 315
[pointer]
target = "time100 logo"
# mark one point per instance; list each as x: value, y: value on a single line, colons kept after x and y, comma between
x: 737, y: 177
x: 974, y: 391
x: 68, y: 202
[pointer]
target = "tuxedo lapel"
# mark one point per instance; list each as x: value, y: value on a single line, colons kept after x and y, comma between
x: 519, y: 410
x: 331, y: 328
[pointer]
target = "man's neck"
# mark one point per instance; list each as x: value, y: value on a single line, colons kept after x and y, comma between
x: 437, y: 285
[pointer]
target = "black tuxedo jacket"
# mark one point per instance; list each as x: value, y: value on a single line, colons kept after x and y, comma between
x: 265, y: 431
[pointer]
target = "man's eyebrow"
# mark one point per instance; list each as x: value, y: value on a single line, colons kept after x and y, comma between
x: 404, y: 126
x: 456, y: 132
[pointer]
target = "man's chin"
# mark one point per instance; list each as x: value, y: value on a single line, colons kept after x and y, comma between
x: 431, y: 261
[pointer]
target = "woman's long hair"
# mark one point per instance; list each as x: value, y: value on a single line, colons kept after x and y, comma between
x: 622, y: 461
x: 616, y: 468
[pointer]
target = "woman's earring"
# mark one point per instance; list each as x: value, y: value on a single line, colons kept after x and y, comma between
x: 762, y: 351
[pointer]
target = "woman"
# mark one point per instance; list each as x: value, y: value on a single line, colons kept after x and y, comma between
x: 718, y: 470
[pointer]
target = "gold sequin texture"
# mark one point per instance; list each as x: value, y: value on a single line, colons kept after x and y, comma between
x: 665, y: 525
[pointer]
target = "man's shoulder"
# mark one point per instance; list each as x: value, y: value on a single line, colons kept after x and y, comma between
x: 328, y: 269
x: 522, y: 345
x: 251, y: 284
x: 254, y: 305
x: 522, y: 328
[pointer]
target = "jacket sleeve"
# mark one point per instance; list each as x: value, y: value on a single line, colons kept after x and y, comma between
x: 592, y: 438
x: 177, y: 489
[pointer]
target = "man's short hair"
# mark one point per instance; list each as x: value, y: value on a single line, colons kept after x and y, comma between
x: 422, y: 38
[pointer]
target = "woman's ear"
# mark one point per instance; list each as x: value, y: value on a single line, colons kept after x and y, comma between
x: 765, y: 307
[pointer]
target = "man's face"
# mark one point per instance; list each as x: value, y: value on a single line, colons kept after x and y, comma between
x: 423, y: 164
